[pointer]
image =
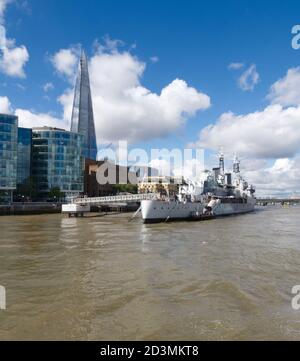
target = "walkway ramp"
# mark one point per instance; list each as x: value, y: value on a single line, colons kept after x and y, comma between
x: 127, y: 198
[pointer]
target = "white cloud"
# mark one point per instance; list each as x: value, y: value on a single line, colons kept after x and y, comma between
x: 3, y: 4
x: 235, y: 66
x: 191, y: 169
x: 162, y: 166
x: 65, y: 62
x: 271, y: 133
x: 108, y: 45
x: 249, y: 78
x: 285, y: 91
x: 251, y: 164
x: 5, y: 106
x: 66, y: 100
x: 123, y: 108
x: 21, y: 87
x: 154, y: 59
x: 279, y: 179
x: 12, y: 58
x: 30, y: 119
x: 48, y: 86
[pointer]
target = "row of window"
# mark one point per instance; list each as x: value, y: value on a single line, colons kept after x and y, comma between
x: 56, y: 161
x: 8, y: 119
x: 8, y: 151
x: 55, y: 135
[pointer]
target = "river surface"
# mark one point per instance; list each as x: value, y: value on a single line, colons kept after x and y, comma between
x: 109, y: 278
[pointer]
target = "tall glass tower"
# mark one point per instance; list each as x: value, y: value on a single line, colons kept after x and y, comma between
x: 82, y: 114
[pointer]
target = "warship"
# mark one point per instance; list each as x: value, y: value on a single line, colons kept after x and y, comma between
x: 221, y: 194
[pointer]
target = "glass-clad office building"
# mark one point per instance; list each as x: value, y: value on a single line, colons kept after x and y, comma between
x: 24, y: 155
x: 8, y: 156
x: 57, y: 161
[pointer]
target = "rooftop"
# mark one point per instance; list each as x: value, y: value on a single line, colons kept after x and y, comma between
x: 48, y: 128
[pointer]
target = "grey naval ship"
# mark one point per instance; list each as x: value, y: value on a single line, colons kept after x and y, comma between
x: 221, y: 194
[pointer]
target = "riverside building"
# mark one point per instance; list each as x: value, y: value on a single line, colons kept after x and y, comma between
x: 8, y: 156
x: 24, y: 148
x: 57, y: 161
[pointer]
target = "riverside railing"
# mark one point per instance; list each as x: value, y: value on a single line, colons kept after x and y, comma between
x: 116, y: 199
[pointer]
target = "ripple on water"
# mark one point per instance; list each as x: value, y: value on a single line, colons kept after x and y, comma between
x: 108, y: 278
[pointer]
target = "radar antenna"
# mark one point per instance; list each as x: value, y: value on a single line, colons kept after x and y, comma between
x: 221, y: 161
x: 236, y: 165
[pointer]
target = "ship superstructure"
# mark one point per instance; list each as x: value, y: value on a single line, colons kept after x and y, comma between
x: 228, y: 193
x: 222, y: 193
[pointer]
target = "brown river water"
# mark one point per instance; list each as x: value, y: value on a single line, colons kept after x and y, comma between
x: 109, y: 278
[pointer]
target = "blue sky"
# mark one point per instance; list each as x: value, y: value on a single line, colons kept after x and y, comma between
x: 193, y: 40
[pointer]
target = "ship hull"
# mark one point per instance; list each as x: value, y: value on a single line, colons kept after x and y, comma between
x: 229, y: 209
x: 155, y: 211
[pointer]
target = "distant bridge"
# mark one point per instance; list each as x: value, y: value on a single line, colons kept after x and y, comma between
x: 128, y: 198
x: 277, y: 200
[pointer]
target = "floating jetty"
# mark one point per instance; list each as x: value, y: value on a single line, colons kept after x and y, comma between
x: 73, y: 209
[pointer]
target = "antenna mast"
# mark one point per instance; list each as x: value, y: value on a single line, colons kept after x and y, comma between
x: 221, y: 161
x: 236, y: 165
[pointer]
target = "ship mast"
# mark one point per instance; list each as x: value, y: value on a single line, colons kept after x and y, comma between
x: 236, y: 165
x: 221, y: 162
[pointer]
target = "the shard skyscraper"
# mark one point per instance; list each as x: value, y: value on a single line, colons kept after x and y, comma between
x: 82, y: 114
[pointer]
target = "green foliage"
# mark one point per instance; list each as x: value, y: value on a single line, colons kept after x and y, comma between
x: 26, y: 190
x: 126, y: 188
x: 56, y: 194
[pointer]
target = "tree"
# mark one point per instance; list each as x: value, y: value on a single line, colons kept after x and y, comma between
x: 55, y: 194
x: 126, y: 188
x: 26, y: 190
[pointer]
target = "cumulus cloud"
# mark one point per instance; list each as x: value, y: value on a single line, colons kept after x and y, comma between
x: 30, y: 119
x: 191, y: 169
x: 235, y: 66
x: 271, y: 133
x: 66, y: 100
x: 109, y: 45
x: 12, y: 58
x: 279, y: 179
x: 123, y: 107
x: 269, y: 136
x: 3, y: 4
x: 285, y: 91
x: 154, y: 59
x: 48, y: 86
x: 162, y: 166
x: 249, y: 78
x: 5, y: 106
x: 65, y: 62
